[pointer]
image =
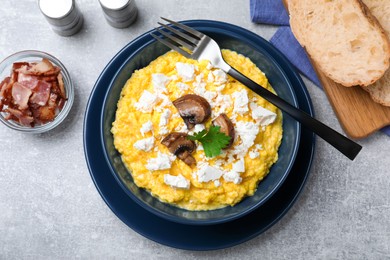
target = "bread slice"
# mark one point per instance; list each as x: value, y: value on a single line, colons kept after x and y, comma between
x: 380, y: 90
x: 343, y: 38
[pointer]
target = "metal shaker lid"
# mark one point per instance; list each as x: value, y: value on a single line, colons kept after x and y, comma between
x: 56, y: 9
x: 114, y: 4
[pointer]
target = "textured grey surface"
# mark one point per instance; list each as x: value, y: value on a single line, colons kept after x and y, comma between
x: 50, y: 209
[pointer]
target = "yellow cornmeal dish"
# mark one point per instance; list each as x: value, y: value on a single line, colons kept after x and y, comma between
x: 200, y: 195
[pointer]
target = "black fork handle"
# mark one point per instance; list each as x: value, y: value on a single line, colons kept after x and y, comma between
x: 346, y: 146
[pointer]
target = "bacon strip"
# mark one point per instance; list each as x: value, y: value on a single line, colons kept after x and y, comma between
x: 27, y: 80
x: 42, y: 68
x: 61, y: 85
x: 21, y: 94
x: 41, y: 93
x: 4, y: 85
x: 18, y: 115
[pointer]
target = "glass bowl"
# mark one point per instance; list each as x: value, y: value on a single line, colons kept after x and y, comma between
x: 31, y: 56
x: 228, y: 36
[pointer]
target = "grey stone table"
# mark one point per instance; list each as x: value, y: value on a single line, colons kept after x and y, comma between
x: 50, y: 208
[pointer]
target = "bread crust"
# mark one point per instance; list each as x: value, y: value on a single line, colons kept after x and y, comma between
x: 299, y: 18
x: 380, y: 90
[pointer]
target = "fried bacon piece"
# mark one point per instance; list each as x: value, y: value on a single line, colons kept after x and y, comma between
x: 33, y: 94
x: 4, y: 89
x: 41, y: 93
x: 20, y: 95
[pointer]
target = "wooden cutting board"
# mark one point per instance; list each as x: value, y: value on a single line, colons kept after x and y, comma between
x: 358, y: 115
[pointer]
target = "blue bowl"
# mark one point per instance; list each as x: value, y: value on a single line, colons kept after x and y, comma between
x: 231, y: 37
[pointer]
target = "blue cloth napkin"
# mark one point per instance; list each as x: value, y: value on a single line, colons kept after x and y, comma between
x: 285, y: 41
x: 269, y: 12
x: 273, y: 12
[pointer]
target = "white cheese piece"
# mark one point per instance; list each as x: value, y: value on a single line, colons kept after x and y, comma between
x: 240, y: 102
x: 223, y: 99
x: 163, y: 102
x: 258, y: 147
x: 219, y: 163
x: 239, y: 166
x: 146, y: 127
x: 217, y: 183
x: 163, y: 130
x: 223, y: 102
x: 186, y: 71
x: 209, y: 66
x: 197, y: 128
x: 220, y: 88
x: 159, y: 82
x: 146, y: 102
x: 261, y: 115
x: 233, y: 118
x: 220, y: 77
x: 199, y: 88
x: 230, y: 156
x: 182, y: 128
x: 199, y: 147
x: 182, y: 86
x: 173, y: 77
x: 232, y: 176
x: 208, y: 173
x: 164, y: 118
x: 210, y: 96
x: 199, y: 78
x: 144, y: 144
x: 161, y: 162
x: 247, y: 131
x: 210, y: 77
x: 255, y: 152
x: 178, y: 181
x: 199, y: 85
x: 175, y: 115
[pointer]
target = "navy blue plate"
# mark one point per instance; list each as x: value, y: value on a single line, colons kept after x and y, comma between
x: 192, y: 237
x: 228, y: 37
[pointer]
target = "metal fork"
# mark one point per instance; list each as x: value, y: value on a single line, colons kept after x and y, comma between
x: 196, y: 45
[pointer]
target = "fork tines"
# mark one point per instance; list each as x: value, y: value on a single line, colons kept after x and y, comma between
x: 184, y: 41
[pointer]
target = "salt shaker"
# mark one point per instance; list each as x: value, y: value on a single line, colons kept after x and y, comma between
x: 63, y: 16
x: 119, y: 13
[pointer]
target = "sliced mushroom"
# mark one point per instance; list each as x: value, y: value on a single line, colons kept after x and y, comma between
x: 179, y: 145
x: 187, y: 158
x: 227, y: 127
x: 193, y: 109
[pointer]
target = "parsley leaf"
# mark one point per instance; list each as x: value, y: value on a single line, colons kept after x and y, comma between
x: 213, y: 140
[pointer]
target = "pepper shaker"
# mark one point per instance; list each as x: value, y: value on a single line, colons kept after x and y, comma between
x: 119, y: 13
x: 63, y: 16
